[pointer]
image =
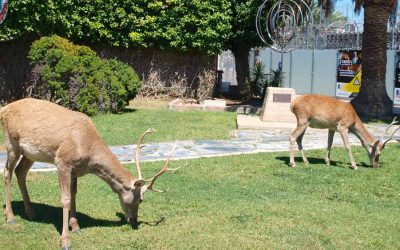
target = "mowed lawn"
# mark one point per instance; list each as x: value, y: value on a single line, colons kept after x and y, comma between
x: 238, y: 202
x: 126, y: 127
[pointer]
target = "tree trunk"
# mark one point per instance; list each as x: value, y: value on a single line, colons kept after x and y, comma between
x: 241, y: 54
x: 373, y: 102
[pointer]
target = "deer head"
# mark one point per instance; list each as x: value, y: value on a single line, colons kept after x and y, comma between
x: 131, y: 201
x: 379, y: 145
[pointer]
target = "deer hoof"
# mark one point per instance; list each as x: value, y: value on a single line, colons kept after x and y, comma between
x: 77, y: 231
x: 292, y: 165
x: 73, y: 223
x: 354, y: 167
x: 66, y: 248
x: 11, y: 221
x: 328, y: 162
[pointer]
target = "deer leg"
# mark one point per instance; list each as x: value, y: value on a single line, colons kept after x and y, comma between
x: 21, y: 171
x: 64, y: 177
x: 300, y: 145
x: 12, y: 159
x: 73, y: 221
x: 298, y: 131
x: 331, y: 133
x: 344, y: 133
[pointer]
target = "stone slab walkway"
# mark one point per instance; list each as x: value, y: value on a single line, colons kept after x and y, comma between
x: 273, y: 139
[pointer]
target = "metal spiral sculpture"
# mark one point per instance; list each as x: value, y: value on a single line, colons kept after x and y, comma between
x: 286, y: 21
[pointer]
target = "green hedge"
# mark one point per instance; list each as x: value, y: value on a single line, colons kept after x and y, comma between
x: 75, y: 77
x: 200, y: 25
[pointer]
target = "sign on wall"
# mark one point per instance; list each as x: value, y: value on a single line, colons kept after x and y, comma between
x: 349, y: 72
x: 3, y: 9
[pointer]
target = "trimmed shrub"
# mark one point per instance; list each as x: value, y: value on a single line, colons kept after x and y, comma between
x: 75, y: 77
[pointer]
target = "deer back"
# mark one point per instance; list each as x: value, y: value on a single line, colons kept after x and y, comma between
x: 323, y: 111
x: 40, y: 130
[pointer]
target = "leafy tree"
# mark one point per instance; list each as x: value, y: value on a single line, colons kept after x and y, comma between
x: 319, y: 17
x: 243, y: 36
x: 196, y: 25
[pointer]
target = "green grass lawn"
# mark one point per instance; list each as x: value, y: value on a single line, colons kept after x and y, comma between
x: 125, y: 128
x: 238, y: 202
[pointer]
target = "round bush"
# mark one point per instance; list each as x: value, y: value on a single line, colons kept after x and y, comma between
x: 75, y: 77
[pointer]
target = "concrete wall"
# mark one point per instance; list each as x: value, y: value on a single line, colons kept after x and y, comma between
x: 314, y: 71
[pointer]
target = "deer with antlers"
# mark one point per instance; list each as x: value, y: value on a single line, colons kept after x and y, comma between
x: 38, y: 130
x: 317, y: 111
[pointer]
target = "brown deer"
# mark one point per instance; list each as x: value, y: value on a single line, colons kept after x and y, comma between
x: 37, y: 130
x: 317, y: 111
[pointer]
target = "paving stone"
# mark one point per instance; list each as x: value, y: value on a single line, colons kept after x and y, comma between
x: 242, y: 142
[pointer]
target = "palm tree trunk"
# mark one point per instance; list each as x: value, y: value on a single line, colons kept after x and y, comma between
x: 373, y: 102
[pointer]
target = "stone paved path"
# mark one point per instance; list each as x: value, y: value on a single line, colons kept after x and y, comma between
x: 242, y: 142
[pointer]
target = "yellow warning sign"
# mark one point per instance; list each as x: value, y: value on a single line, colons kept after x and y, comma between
x: 354, y: 85
x: 348, y: 79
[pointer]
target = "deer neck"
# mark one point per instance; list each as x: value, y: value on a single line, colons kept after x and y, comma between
x: 366, y: 138
x: 109, y: 169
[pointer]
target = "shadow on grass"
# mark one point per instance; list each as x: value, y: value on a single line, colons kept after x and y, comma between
x: 127, y: 110
x: 53, y: 215
x: 136, y: 225
x: 312, y: 160
x: 123, y: 111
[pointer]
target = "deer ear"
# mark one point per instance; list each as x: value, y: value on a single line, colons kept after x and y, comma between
x: 138, y: 184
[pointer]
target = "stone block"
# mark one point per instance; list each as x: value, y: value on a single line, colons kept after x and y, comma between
x: 213, y: 103
x: 276, y: 105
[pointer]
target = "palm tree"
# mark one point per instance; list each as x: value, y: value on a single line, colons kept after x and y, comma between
x: 372, y: 102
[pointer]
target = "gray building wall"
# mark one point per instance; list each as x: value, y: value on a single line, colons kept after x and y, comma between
x: 314, y: 71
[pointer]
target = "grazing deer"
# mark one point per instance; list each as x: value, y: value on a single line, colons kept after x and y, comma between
x: 42, y: 131
x: 317, y: 111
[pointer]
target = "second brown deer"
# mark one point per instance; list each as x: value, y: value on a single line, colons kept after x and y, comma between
x: 318, y: 111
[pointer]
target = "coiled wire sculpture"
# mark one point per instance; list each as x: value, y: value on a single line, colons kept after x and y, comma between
x: 283, y: 23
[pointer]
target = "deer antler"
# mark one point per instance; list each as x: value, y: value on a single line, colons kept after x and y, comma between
x: 392, y: 134
x: 162, y: 171
x: 150, y: 130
